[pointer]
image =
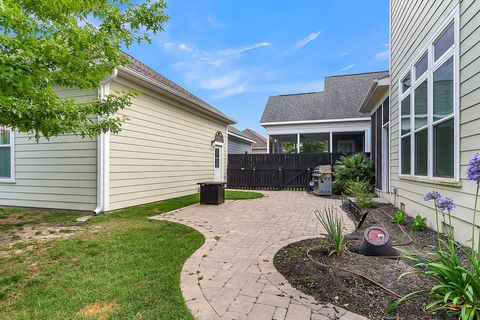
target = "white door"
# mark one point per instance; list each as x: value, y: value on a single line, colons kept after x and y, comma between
x: 218, y: 163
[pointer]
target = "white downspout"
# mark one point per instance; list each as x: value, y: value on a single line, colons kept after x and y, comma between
x: 102, y: 153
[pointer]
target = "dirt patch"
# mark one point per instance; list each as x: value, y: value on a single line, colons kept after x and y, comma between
x: 17, y: 216
x: 29, y: 224
x: 98, y: 311
x: 343, y: 280
x: 37, y: 233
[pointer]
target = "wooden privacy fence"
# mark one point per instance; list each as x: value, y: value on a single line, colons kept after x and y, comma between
x: 275, y: 171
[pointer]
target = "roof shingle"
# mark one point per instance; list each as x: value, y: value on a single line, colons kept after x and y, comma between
x: 340, y: 99
x: 260, y: 141
x: 237, y: 132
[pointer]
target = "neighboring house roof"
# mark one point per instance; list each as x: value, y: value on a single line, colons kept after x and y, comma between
x: 378, y: 89
x: 234, y: 132
x: 147, y: 72
x: 260, y: 141
x: 340, y: 99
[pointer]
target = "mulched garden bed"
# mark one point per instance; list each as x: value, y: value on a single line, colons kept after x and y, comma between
x: 346, y: 281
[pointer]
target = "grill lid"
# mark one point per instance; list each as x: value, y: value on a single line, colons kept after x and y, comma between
x: 321, y: 170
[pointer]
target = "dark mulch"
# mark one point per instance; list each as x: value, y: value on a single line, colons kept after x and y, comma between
x: 329, y: 279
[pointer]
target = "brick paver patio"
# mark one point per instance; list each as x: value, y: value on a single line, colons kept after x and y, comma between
x: 232, y: 275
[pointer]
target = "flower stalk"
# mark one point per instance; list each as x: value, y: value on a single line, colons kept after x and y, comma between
x: 474, y: 221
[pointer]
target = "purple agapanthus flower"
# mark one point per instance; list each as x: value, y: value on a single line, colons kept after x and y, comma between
x: 432, y: 195
x: 445, y: 204
x: 473, y: 169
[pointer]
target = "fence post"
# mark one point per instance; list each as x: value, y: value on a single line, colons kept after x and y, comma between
x: 280, y: 179
x: 308, y: 179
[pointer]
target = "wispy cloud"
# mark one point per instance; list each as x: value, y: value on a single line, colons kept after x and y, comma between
x: 276, y: 88
x: 343, y: 53
x: 383, y: 55
x: 303, y: 42
x: 214, y: 70
x: 346, y: 68
x: 235, y: 51
x: 295, y: 87
x: 221, y: 82
x: 172, y: 46
x: 214, y: 22
x: 231, y: 91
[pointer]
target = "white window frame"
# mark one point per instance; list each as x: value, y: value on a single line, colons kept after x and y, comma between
x: 11, y: 145
x: 454, y: 52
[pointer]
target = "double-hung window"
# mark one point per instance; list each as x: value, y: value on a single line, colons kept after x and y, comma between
x: 6, y: 154
x: 428, y: 108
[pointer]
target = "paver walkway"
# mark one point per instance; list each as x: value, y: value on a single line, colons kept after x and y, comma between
x: 232, y: 275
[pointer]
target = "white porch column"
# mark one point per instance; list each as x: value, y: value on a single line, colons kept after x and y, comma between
x: 268, y: 144
x: 330, y: 143
x: 367, y: 147
x: 298, y: 142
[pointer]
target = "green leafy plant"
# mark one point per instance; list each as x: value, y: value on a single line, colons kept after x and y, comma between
x: 420, y: 223
x: 361, y: 190
x: 312, y: 146
x: 68, y: 44
x: 333, y: 225
x: 399, y: 217
x: 456, y: 290
x: 455, y: 273
x: 357, y: 167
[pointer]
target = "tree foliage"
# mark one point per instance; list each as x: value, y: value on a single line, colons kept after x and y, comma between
x: 314, y: 146
x: 47, y: 44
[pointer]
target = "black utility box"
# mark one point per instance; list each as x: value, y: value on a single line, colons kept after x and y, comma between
x: 212, y: 192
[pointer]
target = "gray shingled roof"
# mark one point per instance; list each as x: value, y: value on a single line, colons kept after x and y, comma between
x: 148, y: 72
x: 237, y: 132
x: 340, y: 99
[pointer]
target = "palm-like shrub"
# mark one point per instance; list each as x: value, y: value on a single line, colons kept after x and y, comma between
x: 357, y: 167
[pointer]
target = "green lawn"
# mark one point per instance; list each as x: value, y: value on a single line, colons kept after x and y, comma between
x: 122, y: 266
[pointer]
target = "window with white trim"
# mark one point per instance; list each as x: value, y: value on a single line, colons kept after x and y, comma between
x: 428, y: 107
x: 6, y: 154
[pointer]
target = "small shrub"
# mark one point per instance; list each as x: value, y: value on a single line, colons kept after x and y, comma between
x: 399, y: 217
x: 455, y: 273
x: 357, y: 167
x: 420, y: 223
x: 361, y: 190
x: 456, y: 289
x: 333, y: 225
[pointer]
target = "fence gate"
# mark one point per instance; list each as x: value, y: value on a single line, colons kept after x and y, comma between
x: 275, y: 171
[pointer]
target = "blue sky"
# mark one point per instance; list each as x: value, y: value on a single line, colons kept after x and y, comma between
x: 235, y: 54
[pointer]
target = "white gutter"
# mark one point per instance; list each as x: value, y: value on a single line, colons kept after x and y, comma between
x: 240, y: 137
x: 314, y: 121
x: 376, y: 84
x: 103, y: 157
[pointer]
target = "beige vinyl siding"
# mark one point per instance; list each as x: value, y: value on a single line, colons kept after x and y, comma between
x: 163, y: 150
x: 413, y: 23
x: 60, y: 173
